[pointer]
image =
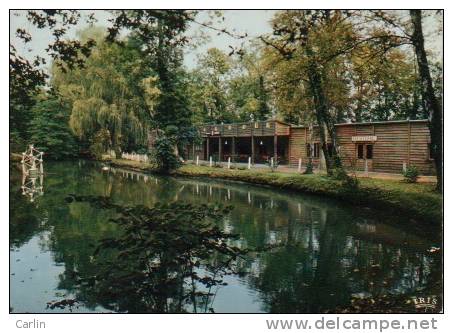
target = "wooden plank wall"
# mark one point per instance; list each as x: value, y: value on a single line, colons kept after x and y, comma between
x: 419, y: 148
x: 397, y: 143
x: 259, y: 128
x: 298, y: 139
x: 268, y: 128
x: 347, y: 147
x: 297, y: 146
x: 282, y: 129
x: 229, y: 130
x: 244, y: 129
x: 391, y: 148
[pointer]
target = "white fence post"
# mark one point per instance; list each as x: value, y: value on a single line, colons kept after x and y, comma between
x: 299, y: 166
x: 229, y: 162
x: 404, y: 167
x: 135, y: 157
x: 250, y: 163
x: 366, y: 167
x: 198, y: 160
x: 210, y: 161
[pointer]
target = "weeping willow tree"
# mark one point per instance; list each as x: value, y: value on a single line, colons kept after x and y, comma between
x: 112, y: 96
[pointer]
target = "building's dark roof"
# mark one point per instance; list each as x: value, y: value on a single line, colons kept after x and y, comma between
x: 372, y: 123
x: 303, y: 126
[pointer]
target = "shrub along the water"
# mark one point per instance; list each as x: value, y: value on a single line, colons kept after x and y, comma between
x: 411, y: 174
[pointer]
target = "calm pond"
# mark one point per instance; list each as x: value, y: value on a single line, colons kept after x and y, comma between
x: 327, y: 252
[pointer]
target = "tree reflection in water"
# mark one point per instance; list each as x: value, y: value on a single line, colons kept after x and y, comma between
x: 324, y: 266
x: 166, y: 258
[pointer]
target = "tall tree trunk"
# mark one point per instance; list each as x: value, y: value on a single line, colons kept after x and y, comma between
x: 430, y: 101
x: 117, y: 152
x: 116, y: 145
x: 325, y: 122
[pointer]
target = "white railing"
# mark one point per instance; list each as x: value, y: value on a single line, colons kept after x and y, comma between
x: 135, y: 157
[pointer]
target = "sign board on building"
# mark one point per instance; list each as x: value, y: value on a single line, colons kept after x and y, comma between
x: 363, y: 138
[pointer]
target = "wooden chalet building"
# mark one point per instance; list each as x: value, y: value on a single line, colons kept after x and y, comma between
x: 384, y: 146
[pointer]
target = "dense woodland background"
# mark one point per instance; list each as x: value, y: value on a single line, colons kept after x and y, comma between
x: 110, y: 87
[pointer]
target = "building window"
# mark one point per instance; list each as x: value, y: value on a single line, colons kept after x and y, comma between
x: 365, y: 151
x: 268, y: 125
x: 257, y: 125
x: 369, y: 152
x: 360, y: 152
x: 229, y: 127
x: 308, y: 148
x: 316, y: 150
x: 244, y: 126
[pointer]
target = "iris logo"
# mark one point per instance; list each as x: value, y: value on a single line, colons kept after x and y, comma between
x: 426, y: 303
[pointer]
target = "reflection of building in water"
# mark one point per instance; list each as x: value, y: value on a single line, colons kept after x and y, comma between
x: 32, y: 173
x: 367, y: 227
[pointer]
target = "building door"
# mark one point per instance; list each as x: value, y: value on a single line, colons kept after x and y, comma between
x: 364, y: 156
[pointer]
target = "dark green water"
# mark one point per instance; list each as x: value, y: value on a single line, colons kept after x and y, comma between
x: 328, y: 252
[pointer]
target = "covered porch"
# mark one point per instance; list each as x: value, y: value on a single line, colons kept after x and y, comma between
x: 239, y: 149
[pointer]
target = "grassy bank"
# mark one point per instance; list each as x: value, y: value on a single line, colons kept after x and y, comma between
x: 418, y: 201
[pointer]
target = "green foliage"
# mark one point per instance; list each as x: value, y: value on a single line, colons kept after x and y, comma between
x: 25, y: 83
x: 249, y: 90
x: 100, y: 143
x: 111, y: 95
x: 163, y: 154
x: 309, y: 167
x: 208, y: 87
x: 49, y: 130
x: 17, y: 142
x: 411, y: 174
x: 165, y: 258
x: 363, y: 79
x: 349, y: 182
x: 386, y: 87
x: 171, y: 115
x: 28, y: 77
x: 226, y: 89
